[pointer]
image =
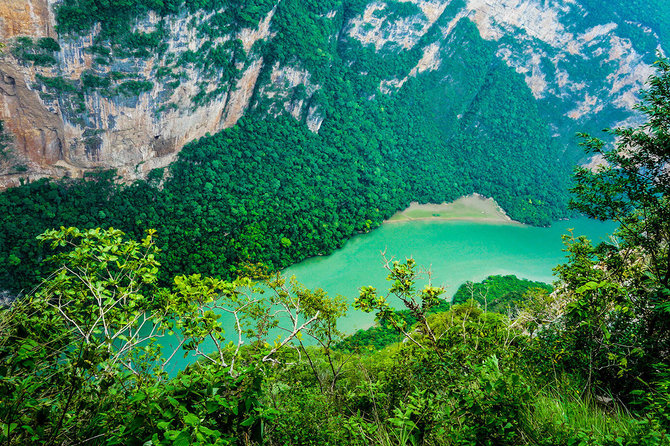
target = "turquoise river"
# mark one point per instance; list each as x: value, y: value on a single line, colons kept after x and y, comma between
x: 455, y: 252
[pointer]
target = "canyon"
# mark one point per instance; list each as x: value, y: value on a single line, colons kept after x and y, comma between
x: 58, y: 125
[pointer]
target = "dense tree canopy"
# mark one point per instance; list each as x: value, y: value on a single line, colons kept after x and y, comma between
x: 619, y: 318
x: 270, y: 190
x: 499, y: 294
x: 82, y: 359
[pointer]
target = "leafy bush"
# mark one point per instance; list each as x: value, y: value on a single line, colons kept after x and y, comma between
x: 40, y: 53
x: 135, y: 88
x: 500, y: 294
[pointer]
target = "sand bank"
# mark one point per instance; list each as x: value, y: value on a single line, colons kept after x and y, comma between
x: 472, y: 207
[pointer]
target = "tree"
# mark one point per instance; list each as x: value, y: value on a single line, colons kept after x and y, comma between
x: 81, y: 359
x: 88, y: 327
x: 632, y: 186
x: 617, y: 322
x: 419, y: 303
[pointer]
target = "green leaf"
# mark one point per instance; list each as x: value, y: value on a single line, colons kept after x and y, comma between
x: 183, y: 439
x: 248, y: 422
x: 589, y: 286
x: 140, y: 396
x: 209, y: 432
x: 191, y: 419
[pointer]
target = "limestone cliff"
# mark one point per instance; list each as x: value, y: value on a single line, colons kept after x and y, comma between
x: 72, y: 104
x: 61, y: 130
x: 552, y: 44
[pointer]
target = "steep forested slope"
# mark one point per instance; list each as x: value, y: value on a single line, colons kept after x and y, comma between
x: 126, y: 84
x: 82, y: 358
x: 343, y: 112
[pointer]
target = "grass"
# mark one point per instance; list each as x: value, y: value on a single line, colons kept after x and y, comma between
x: 560, y: 413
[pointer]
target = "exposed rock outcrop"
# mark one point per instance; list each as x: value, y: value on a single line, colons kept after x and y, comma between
x: 66, y: 116
x: 63, y: 132
x: 534, y: 37
x: 26, y: 18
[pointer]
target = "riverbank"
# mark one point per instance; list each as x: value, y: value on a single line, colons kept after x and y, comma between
x: 473, y: 207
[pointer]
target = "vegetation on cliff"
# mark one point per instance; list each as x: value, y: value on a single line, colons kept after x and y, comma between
x: 269, y: 190
x: 140, y: 60
x: 236, y: 195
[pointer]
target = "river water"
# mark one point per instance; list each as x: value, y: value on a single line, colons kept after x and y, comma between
x: 454, y: 251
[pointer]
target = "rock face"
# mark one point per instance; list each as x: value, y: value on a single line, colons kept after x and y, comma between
x: 74, y: 107
x: 554, y: 45
x: 26, y: 18
x: 550, y: 41
x: 34, y: 126
x: 57, y: 131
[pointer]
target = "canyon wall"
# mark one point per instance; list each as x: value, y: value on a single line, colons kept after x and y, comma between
x: 75, y: 106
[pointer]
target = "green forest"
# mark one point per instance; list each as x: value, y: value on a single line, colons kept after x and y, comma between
x: 101, y: 272
x: 585, y: 364
x: 500, y: 294
x: 270, y: 191
x: 495, y: 294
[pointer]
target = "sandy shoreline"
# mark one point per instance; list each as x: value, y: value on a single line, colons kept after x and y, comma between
x: 473, y: 207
